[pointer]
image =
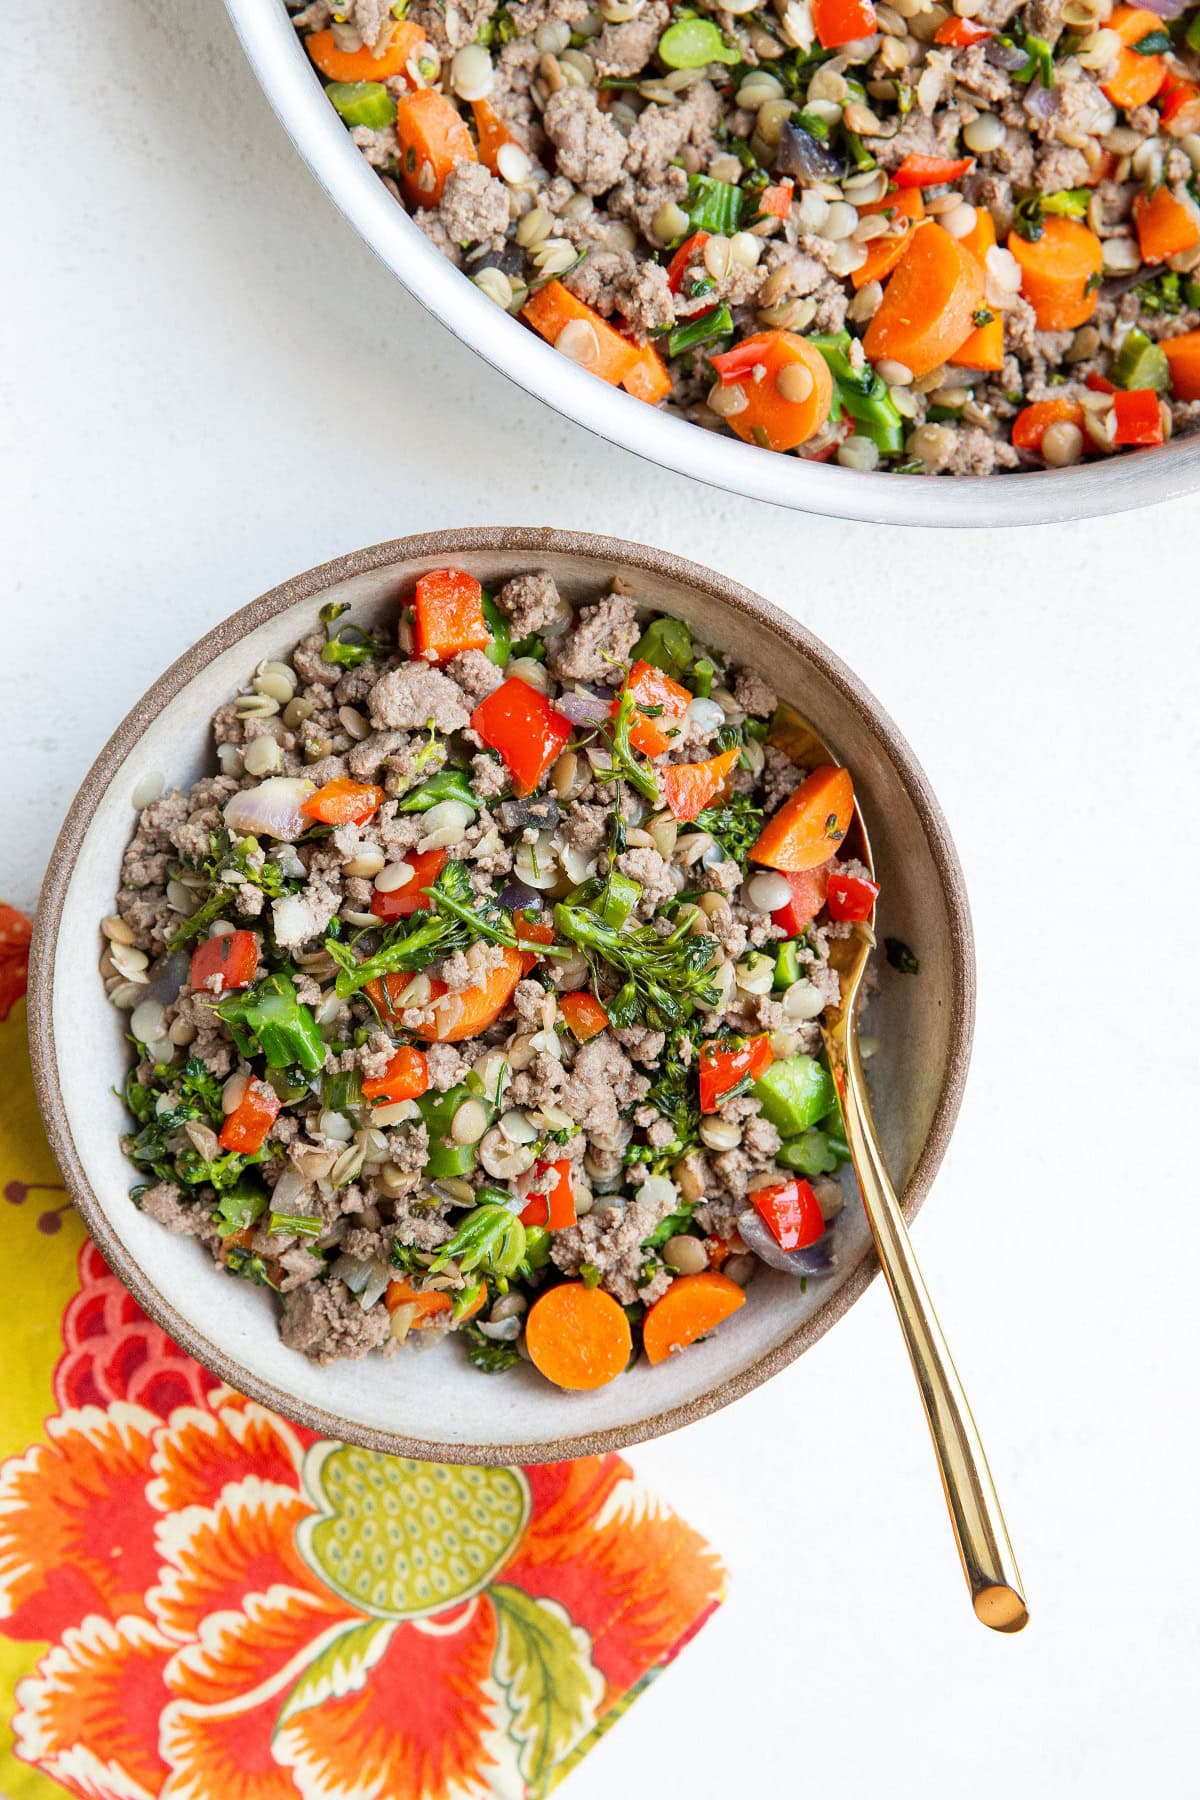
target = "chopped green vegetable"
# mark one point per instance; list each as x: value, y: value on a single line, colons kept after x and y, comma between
x: 863, y: 394
x: 240, y: 1206
x: 617, y: 899
x: 1040, y: 66
x: 1067, y: 203
x: 627, y: 766
x: 667, y: 643
x: 673, y: 1225
x: 362, y: 103
x: 713, y: 206
x: 299, y: 1224
x: 457, y: 918
x: 663, y: 977
x: 500, y: 648
x: 342, y: 1092
x: 1155, y: 43
x: 811, y: 1153
x: 268, y: 1019
x: 705, y: 328
x: 1142, y: 364
x: 446, y: 1158
x: 703, y: 676
x: 490, y: 1238
x: 447, y: 784
x: 692, y: 43
x: 198, y: 922
x: 788, y: 967
x: 351, y: 646
x: 795, y: 1093
x: 735, y: 825
x: 486, y: 1353
x: 589, y: 1274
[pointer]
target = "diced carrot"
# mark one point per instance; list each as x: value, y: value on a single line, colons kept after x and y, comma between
x: 692, y: 1306
x: 1166, y: 224
x: 1103, y: 169
x: 555, y: 1209
x: 585, y: 1016
x: 433, y: 140
x: 961, y: 33
x: 343, y: 802
x: 533, y: 931
x: 776, y: 202
x: 1059, y: 272
x: 843, y: 21
x: 406, y: 1077
x: 932, y: 171
x: 1183, y: 354
x: 429, y: 1305
x: 233, y: 955
x: 1136, y: 78
x: 929, y: 303
x: 652, y: 687
x: 426, y: 866
x: 984, y: 347
x: 578, y: 1337
x: 677, y: 268
x: 407, y: 41
x: 688, y: 788
x: 1032, y: 422
x: 448, y: 615
x: 1138, y: 417
x: 492, y: 133
x: 246, y: 1128
x: 471, y: 1010
x: 770, y: 368
x: 553, y: 308
x: 648, y: 379
x: 810, y: 824
x: 883, y: 253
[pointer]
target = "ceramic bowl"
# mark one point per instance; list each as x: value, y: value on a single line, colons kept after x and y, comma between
x: 433, y: 1404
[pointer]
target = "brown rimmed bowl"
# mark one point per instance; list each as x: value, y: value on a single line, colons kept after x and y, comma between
x: 433, y: 1405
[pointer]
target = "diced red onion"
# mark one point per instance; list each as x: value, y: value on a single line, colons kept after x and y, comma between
x: 378, y: 1277
x: 168, y: 975
x: 1005, y: 56
x: 272, y: 809
x: 517, y: 896
x: 802, y: 155
x: 1041, y: 102
x: 584, y: 709
x: 1167, y: 9
x: 814, y: 1260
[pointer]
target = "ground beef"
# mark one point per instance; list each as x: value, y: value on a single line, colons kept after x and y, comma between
x: 611, y: 1241
x: 532, y: 602
x: 475, y: 674
x: 599, y: 645
x: 657, y: 882
x: 412, y: 697
x: 626, y: 49
x: 753, y: 694
x: 474, y: 206
x: 615, y: 282
x: 590, y: 151
x: 191, y: 1218
x: 324, y: 1320
x: 601, y: 1083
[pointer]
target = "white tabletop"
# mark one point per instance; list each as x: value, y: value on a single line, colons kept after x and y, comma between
x: 210, y: 385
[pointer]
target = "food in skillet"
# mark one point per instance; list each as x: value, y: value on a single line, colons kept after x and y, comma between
x: 477, y: 991
x: 912, y: 237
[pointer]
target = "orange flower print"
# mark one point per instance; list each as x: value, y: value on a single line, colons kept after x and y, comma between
x: 15, y: 935
x: 238, y: 1609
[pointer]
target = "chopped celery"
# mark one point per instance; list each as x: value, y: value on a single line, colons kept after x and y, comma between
x: 342, y: 1092
x: 241, y: 1205
x: 693, y: 44
x: 283, y: 1026
x: 714, y: 205
x: 667, y: 643
x: 363, y: 103
x: 447, y: 784
x: 703, y: 676
x: 500, y: 648
x: 705, y: 328
x: 446, y: 1158
x: 1142, y: 364
x: 863, y: 394
x: 809, y: 1154
x: 795, y: 1092
x: 787, y: 964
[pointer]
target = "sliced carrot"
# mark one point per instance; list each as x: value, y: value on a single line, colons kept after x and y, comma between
x: 770, y: 368
x: 363, y: 65
x: 448, y: 615
x: 648, y: 379
x: 406, y: 1076
x: 1136, y: 79
x: 1166, y: 225
x: 1059, y: 272
x: 585, y: 1016
x: 688, y: 788
x: 984, y: 347
x: 471, y: 1010
x: 554, y: 307
x: 692, y: 1306
x: 492, y: 133
x: 652, y: 687
x: 810, y: 824
x: 429, y: 1305
x: 343, y: 802
x: 883, y: 253
x: 578, y: 1337
x: 433, y: 140
x: 1032, y: 422
x: 929, y: 303
x: 776, y: 202
x: 1183, y: 354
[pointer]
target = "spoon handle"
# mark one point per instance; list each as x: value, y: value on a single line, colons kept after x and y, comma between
x: 983, y: 1543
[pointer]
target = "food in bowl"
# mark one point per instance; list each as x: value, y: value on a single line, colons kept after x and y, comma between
x: 913, y: 239
x: 477, y: 990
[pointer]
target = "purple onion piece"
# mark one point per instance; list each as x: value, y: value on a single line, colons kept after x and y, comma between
x: 1120, y: 285
x: 584, y: 709
x: 167, y: 976
x: 1041, y: 102
x: 814, y: 1260
x: 516, y: 897
x: 1167, y: 9
x: 1005, y: 56
x: 803, y: 156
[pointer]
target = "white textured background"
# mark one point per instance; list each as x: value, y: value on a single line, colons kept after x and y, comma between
x: 209, y: 385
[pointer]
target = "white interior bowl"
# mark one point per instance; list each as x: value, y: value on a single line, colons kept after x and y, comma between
x: 1113, y: 484
x: 434, y: 1404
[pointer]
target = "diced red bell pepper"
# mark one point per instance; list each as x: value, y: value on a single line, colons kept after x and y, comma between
x: 851, y: 897
x: 531, y: 930
x: 1178, y: 102
x: 1099, y: 384
x: 683, y: 257
x: 246, y: 1128
x: 555, y: 1209
x: 717, y: 1251
x: 522, y: 725
x: 651, y: 687
x: 233, y: 956
x: 1139, y: 419
x: 16, y: 934
x: 585, y: 1016
x: 776, y: 202
x: 842, y: 21
x: 343, y: 802
x: 739, y: 362
x: 807, y: 898
x: 688, y: 788
x: 406, y: 1077
x: 790, y: 1212
x: 932, y: 171
x: 426, y: 866
x: 724, y: 1066
x: 448, y: 615
x: 961, y: 33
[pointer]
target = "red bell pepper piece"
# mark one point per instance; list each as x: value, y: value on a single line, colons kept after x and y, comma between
x: 233, y: 956
x: 842, y: 21
x: 1139, y: 420
x: 790, y: 1213
x: 522, y: 725
x: 16, y: 934
x: 531, y: 930
x: 406, y: 1076
x: 1099, y: 384
x: 932, y: 171
x: 246, y: 1128
x: 739, y: 362
x: 449, y: 619
x: 426, y: 866
x: 724, y: 1066
x: 678, y: 266
x: 343, y: 802
x: 807, y: 898
x: 851, y: 897
x: 650, y: 687
x: 776, y: 202
x: 1175, y: 97
x: 961, y: 33
x: 688, y: 788
x: 555, y: 1209
x: 585, y: 1016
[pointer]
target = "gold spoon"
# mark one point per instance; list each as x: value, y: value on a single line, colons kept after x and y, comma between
x: 988, y: 1560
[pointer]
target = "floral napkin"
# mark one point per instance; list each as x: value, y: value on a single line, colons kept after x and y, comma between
x: 203, y: 1602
